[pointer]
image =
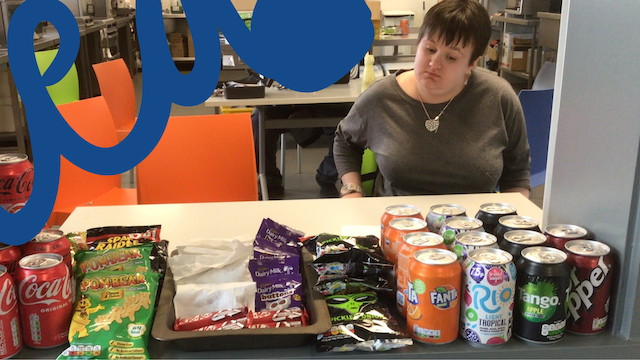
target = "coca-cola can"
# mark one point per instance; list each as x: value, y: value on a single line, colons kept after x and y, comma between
x: 44, y: 297
x: 16, y: 181
x: 591, y: 274
x: 10, y: 341
x: 559, y: 234
x: 49, y: 241
x: 9, y: 257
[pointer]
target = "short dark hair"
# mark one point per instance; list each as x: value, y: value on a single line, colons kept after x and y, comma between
x: 459, y: 21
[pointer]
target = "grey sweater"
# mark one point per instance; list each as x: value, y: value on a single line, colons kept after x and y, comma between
x: 481, y: 143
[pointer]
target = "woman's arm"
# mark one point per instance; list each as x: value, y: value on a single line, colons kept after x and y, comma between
x: 353, y: 178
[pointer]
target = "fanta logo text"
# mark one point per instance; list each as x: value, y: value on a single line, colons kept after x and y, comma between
x: 113, y: 281
x: 17, y: 185
x: 7, y: 297
x: 118, y: 242
x: 47, y: 292
x: 542, y: 301
x: 444, y: 297
x: 583, y: 290
x: 113, y: 258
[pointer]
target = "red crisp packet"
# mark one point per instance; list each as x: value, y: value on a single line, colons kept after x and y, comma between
x: 289, y: 315
x: 209, y: 319
x: 279, y: 324
x: 226, y: 325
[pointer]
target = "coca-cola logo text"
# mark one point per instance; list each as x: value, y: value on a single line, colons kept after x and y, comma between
x: 31, y: 292
x: 8, y: 300
x: 17, y: 185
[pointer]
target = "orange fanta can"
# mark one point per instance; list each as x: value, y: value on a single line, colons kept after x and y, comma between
x: 433, y: 296
x: 412, y: 243
x: 395, y: 231
x: 394, y: 212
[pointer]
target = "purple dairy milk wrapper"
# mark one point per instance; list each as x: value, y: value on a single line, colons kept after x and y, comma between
x: 261, y: 268
x: 278, y: 293
x: 277, y: 239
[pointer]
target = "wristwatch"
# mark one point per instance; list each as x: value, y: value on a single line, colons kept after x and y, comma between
x: 350, y: 189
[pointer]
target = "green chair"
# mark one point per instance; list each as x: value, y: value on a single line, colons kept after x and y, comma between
x: 64, y: 91
x: 368, y: 171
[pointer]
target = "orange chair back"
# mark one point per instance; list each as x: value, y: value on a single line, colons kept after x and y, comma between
x: 206, y: 158
x: 117, y: 89
x: 91, y: 119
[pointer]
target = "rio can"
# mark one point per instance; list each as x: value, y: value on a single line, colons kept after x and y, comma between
x: 489, y: 285
x: 49, y: 241
x: 591, y: 277
x: 514, y: 222
x: 470, y: 240
x: 9, y: 257
x: 16, y: 181
x: 411, y: 244
x: 558, y: 234
x: 438, y: 213
x: 11, y: 341
x: 489, y: 213
x: 394, y: 212
x: 44, y: 297
x: 433, y: 304
x: 542, y: 288
x: 514, y: 241
x: 456, y: 225
x: 394, y: 234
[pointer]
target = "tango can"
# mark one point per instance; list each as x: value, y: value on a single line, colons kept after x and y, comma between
x: 9, y: 257
x: 394, y: 234
x: 489, y: 286
x: 394, y: 212
x: 49, y: 241
x: 514, y: 222
x: 16, y: 181
x: 411, y: 243
x: 489, y: 213
x: 456, y: 225
x: 44, y: 298
x: 10, y: 338
x: 470, y: 240
x: 558, y: 234
x: 438, y: 213
x: 591, y: 277
x: 433, y: 303
x: 543, y: 284
x: 514, y: 241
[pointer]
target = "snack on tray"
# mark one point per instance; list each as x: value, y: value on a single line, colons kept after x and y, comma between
x: 113, y: 316
x: 129, y: 259
x: 290, y: 317
x: 210, y: 319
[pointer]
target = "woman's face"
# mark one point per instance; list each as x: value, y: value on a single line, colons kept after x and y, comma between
x: 441, y: 69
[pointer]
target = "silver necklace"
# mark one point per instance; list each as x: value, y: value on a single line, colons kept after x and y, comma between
x: 432, y: 124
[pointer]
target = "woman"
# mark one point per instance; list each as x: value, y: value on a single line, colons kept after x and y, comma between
x: 444, y: 127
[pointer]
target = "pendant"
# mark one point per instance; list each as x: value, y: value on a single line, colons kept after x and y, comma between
x: 432, y: 125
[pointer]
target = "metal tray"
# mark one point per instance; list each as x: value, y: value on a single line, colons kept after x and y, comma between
x: 319, y: 322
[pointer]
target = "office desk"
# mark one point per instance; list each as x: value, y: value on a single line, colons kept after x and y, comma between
x: 337, y: 93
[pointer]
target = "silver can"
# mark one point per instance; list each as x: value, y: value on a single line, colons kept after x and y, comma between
x: 456, y: 225
x: 470, y: 240
x: 438, y: 213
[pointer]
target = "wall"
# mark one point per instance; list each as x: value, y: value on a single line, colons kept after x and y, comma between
x: 592, y: 177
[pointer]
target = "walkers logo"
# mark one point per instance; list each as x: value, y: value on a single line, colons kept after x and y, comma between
x: 301, y: 57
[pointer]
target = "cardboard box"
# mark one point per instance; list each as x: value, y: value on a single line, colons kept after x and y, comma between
x: 175, y: 36
x: 374, y: 6
x: 518, y: 58
x: 191, y: 52
x: 244, y: 5
x: 512, y: 45
x: 178, y: 45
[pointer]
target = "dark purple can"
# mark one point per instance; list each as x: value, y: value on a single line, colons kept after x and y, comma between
x: 514, y: 222
x: 514, y: 241
x: 489, y: 213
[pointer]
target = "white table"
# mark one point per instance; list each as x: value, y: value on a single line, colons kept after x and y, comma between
x: 337, y: 93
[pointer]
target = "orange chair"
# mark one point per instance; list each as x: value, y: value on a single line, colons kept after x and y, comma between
x: 205, y: 158
x: 116, y: 87
x: 91, y: 119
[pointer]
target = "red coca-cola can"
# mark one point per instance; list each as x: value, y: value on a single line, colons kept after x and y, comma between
x: 558, y: 234
x: 16, y: 181
x: 49, y: 241
x: 591, y: 274
x: 10, y: 341
x: 44, y: 297
x: 9, y: 257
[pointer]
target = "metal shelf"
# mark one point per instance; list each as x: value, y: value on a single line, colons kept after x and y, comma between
x: 174, y: 16
x: 517, y: 21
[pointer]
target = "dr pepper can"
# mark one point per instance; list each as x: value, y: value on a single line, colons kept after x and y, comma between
x: 438, y: 213
x: 489, y: 286
x: 16, y: 181
x: 394, y: 212
x: 49, y: 241
x: 433, y: 304
x: 558, y: 234
x: 44, y: 297
x: 542, y: 288
x: 11, y: 340
x: 411, y: 244
x: 591, y: 277
x: 394, y: 233
x: 489, y: 213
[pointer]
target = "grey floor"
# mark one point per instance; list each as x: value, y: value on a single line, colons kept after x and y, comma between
x: 299, y: 184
